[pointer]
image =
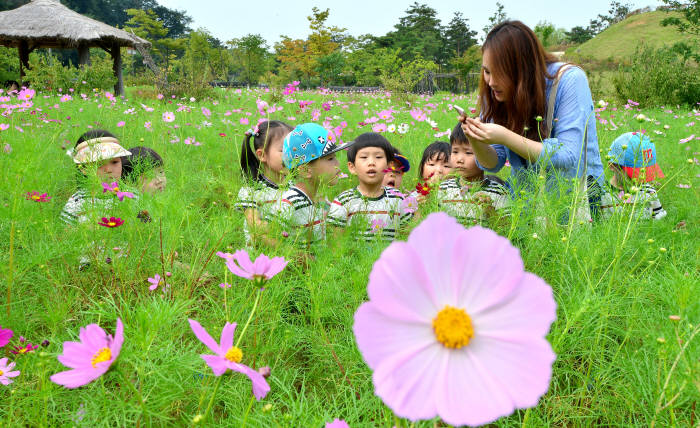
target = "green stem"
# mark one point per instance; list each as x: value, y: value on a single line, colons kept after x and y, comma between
x: 250, y: 405
x: 11, y: 267
x: 211, y: 400
x: 250, y: 317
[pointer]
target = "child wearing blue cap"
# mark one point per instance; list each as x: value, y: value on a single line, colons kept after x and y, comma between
x: 370, y: 209
x: 309, y: 153
x: 393, y: 175
x: 632, y: 160
x: 469, y: 195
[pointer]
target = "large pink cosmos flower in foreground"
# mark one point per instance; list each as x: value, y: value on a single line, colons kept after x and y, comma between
x: 228, y: 357
x: 239, y: 264
x: 6, y: 371
x: 91, y: 357
x: 5, y: 336
x: 455, y: 327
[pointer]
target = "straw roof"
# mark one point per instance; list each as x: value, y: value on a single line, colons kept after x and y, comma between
x: 48, y: 23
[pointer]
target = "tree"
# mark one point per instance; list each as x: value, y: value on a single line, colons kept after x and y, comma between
x: 251, y: 55
x: 689, y: 22
x: 579, y: 35
x: 616, y: 13
x: 418, y: 33
x: 458, y: 35
x: 544, y: 31
x: 147, y: 25
x: 498, y: 16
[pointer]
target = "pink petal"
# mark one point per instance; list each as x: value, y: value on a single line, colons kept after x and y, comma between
x: 260, y: 385
x: 260, y: 265
x: 94, y: 337
x: 218, y: 365
x: 243, y: 259
x: 236, y: 270
x: 76, y: 355
x: 116, y: 345
x: 76, y: 378
x: 408, y: 381
x: 515, y: 318
x: 4, y: 380
x: 14, y: 373
x: 204, y: 337
x: 484, y: 274
x: 227, y: 336
x: 3, y: 361
x: 400, y: 286
x: 275, y: 267
x: 380, y: 336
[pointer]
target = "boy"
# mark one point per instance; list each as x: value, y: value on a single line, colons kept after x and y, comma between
x: 310, y: 156
x: 370, y: 208
x: 632, y: 160
x: 393, y: 175
x: 470, y: 196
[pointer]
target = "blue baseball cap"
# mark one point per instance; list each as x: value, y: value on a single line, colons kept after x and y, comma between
x: 634, y: 151
x: 308, y: 142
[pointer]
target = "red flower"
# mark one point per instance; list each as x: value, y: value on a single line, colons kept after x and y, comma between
x: 38, y: 197
x: 423, y: 188
x: 111, y: 222
x: 221, y: 134
x: 19, y: 350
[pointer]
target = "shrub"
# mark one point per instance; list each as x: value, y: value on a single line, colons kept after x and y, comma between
x: 658, y: 76
x: 47, y: 73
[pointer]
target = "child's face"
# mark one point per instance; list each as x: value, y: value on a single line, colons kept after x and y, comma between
x: 463, y: 161
x: 436, y: 168
x: 153, y: 181
x: 325, y: 170
x: 394, y: 176
x: 369, y: 165
x: 110, y: 169
x: 272, y: 157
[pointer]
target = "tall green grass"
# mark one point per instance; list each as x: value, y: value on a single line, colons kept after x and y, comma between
x: 621, y: 360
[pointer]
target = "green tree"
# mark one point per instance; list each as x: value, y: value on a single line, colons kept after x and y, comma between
x: 459, y: 37
x: 544, y: 31
x: 250, y: 53
x: 579, y: 35
x: 498, y: 16
x: 418, y: 33
x: 689, y: 21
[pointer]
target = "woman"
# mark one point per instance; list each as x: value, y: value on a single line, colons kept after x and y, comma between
x: 516, y: 80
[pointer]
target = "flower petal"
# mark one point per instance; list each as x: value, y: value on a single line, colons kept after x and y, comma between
x: 380, y: 336
x: 400, y: 285
x: 204, y: 337
x: 94, y: 337
x: 275, y: 267
x: 216, y: 363
x: 227, y: 336
x: 260, y: 385
x: 76, y: 355
x: 76, y: 378
x: 116, y: 344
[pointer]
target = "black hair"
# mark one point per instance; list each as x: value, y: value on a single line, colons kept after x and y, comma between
x: 142, y: 159
x: 439, y: 149
x: 10, y: 83
x: 458, y: 136
x: 94, y: 133
x: 267, y: 130
x: 371, y: 139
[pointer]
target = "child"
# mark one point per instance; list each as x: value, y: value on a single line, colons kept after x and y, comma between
x: 632, y: 161
x: 470, y: 196
x: 398, y: 166
x: 435, y: 164
x: 144, y: 168
x: 97, y: 153
x: 262, y: 167
x: 369, y: 207
x: 310, y: 157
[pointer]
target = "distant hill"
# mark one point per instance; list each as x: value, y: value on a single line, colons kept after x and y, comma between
x: 620, y: 40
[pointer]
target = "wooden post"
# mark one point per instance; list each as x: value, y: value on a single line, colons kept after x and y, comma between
x: 83, y: 55
x: 23, y: 58
x: 117, y: 67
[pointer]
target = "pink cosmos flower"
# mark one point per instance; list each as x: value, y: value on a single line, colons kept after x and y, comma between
x: 91, y: 357
x: 409, y: 204
x: 206, y: 112
x: 418, y: 114
x: 337, y: 423
x: 156, y: 281
x: 4, y: 126
x: 26, y: 94
x: 160, y: 96
x: 38, y: 197
x: 453, y: 329
x: 111, y: 222
x: 263, y: 269
x: 6, y: 371
x: 24, y: 349
x: 5, y: 336
x: 228, y: 357
x: 168, y: 116
x: 379, y: 127
x: 243, y: 121
x: 377, y: 225
x: 120, y: 124
x: 114, y: 187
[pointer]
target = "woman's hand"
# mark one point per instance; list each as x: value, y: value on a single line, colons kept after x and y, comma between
x: 486, y: 133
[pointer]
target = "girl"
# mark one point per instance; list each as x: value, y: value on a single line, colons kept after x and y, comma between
x: 515, y: 95
x: 97, y: 154
x: 144, y: 168
x: 435, y: 164
x: 262, y: 167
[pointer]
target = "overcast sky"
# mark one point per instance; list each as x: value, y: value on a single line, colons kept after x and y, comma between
x: 228, y: 19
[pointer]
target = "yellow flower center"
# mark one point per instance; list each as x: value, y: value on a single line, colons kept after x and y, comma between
x: 36, y: 197
x: 1, y: 372
x: 453, y: 327
x: 23, y: 351
x: 234, y: 354
x: 111, y: 224
x: 116, y: 189
x: 104, y: 354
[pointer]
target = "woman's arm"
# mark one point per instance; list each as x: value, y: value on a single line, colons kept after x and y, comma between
x: 481, y: 135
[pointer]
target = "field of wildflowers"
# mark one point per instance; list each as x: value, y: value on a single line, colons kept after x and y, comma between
x: 303, y: 342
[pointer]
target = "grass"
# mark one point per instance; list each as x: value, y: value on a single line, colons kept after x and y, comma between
x: 620, y: 40
x: 621, y: 360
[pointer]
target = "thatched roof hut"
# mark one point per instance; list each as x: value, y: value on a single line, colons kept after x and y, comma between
x: 49, y: 24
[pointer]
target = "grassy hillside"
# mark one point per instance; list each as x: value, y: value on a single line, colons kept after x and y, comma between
x: 620, y: 40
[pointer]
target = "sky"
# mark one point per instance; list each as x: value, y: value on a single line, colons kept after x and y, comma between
x: 228, y: 19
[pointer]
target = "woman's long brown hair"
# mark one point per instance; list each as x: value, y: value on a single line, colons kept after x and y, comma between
x: 520, y: 59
